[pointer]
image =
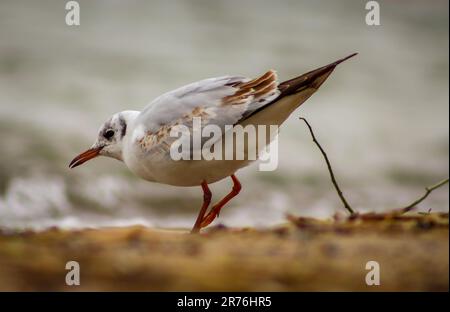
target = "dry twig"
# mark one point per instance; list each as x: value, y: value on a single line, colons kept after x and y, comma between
x: 428, y: 190
x: 403, y: 210
x: 333, y: 179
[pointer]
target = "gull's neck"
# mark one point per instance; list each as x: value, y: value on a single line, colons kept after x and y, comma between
x: 129, y: 116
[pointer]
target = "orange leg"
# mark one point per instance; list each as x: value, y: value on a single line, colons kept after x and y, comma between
x: 215, y: 210
x: 206, y: 201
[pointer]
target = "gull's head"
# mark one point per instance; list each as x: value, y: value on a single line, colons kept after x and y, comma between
x: 109, y: 139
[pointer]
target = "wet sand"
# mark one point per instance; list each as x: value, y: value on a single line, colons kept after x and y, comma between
x: 302, y: 255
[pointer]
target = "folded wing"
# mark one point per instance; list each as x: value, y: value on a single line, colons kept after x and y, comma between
x: 216, y: 101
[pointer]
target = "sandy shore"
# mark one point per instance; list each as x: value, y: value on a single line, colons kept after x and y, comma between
x: 303, y: 254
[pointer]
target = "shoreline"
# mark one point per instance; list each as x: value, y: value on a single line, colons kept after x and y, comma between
x: 305, y: 254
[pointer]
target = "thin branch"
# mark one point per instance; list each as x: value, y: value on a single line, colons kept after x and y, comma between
x: 333, y: 179
x: 428, y: 190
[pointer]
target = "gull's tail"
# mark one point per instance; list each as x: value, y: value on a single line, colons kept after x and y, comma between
x: 294, y: 92
x: 312, y: 79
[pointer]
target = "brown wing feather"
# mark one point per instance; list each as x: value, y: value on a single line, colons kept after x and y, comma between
x: 257, y: 88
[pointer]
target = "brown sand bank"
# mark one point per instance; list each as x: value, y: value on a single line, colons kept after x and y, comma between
x: 303, y: 254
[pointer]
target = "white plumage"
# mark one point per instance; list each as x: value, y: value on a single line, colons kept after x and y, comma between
x: 142, y: 139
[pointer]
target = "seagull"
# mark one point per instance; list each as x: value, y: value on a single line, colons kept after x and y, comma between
x: 142, y: 140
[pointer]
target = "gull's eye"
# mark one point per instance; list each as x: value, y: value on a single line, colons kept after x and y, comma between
x: 109, y: 134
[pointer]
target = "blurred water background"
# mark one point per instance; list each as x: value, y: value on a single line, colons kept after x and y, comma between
x: 382, y: 116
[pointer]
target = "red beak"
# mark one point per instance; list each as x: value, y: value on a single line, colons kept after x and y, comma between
x: 84, y: 157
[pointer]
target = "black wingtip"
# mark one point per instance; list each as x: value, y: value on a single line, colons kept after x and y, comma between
x: 312, y: 79
x: 345, y: 58
x: 293, y: 85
